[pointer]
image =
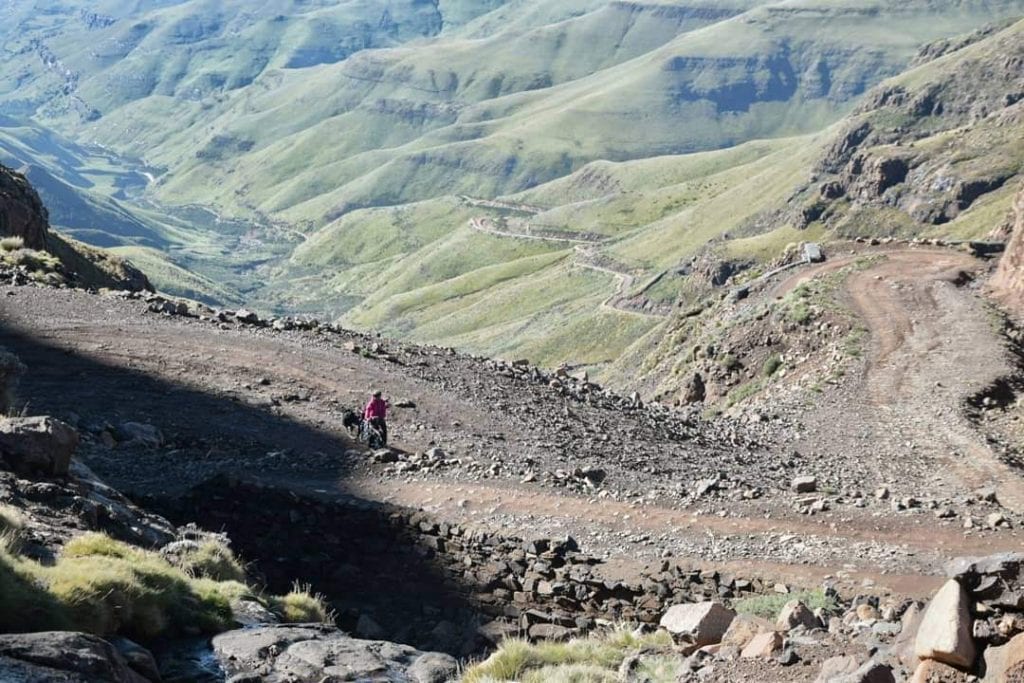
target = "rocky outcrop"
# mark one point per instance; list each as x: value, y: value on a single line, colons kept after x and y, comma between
x: 1008, y: 281
x: 906, y: 145
x: 63, y: 656
x: 22, y: 213
x: 37, y: 445
x: 300, y: 654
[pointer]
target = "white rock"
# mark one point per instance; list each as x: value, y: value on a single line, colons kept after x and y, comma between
x: 704, y: 623
x: 945, y: 632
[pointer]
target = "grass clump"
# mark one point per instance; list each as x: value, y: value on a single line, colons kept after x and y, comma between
x: 301, y: 606
x: 103, y: 586
x: 9, y: 244
x: 771, y: 365
x: 213, y: 560
x: 41, y: 266
x: 12, y: 520
x: 595, y: 659
x: 768, y: 606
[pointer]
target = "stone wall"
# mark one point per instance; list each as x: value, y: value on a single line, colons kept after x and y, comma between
x: 399, y: 574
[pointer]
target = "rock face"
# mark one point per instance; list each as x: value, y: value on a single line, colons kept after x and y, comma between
x: 22, y: 213
x: 930, y: 671
x: 796, y: 613
x: 63, y: 656
x: 763, y: 645
x: 37, y: 445
x: 945, y: 632
x: 314, y: 653
x: 703, y: 623
x: 1008, y: 281
x: 1006, y: 662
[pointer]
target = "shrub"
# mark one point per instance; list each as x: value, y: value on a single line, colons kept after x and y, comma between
x: 769, y: 606
x: 213, y: 560
x: 300, y: 606
x: 800, y: 313
x: 771, y: 365
x: 731, y: 363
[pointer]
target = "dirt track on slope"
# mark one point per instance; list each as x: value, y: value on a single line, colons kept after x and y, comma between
x: 267, y: 405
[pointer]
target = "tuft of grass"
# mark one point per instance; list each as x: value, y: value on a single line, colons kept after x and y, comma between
x: 11, y: 244
x: 853, y: 345
x: 731, y: 363
x: 213, y: 560
x: 12, y: 520
x: 103, y: 586
x: 771, y: 365
x: 743, y: 392
x: 768, y: 606
x: 800, y: 313
x: 301, y: 606
x: 31, y: 259
x: 594, y: 659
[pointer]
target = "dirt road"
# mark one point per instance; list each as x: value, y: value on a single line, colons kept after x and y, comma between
x: 267, y: 405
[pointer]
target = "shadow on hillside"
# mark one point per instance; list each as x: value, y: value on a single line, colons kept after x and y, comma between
x: 215, y: 470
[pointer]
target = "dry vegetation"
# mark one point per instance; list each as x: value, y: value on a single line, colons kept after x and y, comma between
x: 103, y: 586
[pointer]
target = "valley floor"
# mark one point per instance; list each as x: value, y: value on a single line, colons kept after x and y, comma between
x: 267, y: 405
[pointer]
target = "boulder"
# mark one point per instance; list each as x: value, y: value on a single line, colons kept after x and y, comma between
x: 247, y: 317
x: 433, y: 667
x: 996, y: 580
x: 866, y: 612
x: 835, y: 667
x: 309, y: 654
x: 141, y: 434
x: 795, y: 613
x: 931, y: 671
x: 63, y: 656
x: 37, y: 445
x: 763, y: 646
x: 945, y: 631
x: 550, y: 632
x: 367, y: 628
x: 694, y: 391
x: 137, y: 657
x: 804, y: 484
x: 702, y: 623
x: 1005, y: 663
x: 905, y: 644
x: 868, y: 672
x: 743, y: 629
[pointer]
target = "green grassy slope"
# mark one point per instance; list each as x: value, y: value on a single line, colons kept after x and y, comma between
x: 465, y: 117
x: 330, y: 159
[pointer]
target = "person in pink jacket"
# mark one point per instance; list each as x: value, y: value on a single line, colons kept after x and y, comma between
x: 376, y: 413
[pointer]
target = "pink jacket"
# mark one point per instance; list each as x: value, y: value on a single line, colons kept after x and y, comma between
x: 377, y: 407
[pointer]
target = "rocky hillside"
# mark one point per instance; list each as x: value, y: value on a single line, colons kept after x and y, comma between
x: 31, y: 250
x: 930, y: 144
x: 1008, y: 281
